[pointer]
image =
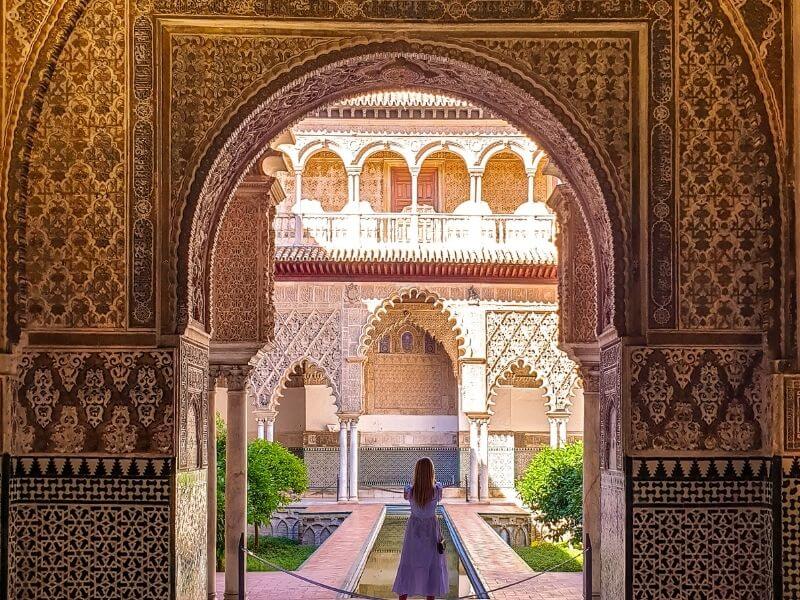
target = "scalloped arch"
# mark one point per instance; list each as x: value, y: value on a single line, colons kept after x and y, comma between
x: 403, y: 295
x: 278, y: 390
x: 548, y: 390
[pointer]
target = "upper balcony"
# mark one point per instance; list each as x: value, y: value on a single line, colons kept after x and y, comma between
x: 424, y: 235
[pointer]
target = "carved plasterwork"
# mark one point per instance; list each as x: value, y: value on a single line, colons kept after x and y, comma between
x: 729, y: 223
x: 530, y: 339
x: 445, y: 74
x: 409, y: 371
x: 192, y: 406
x: 242, y: 267
x: 429, y: 312
x: 707, y: 399
x: 791, y: 412
x: 77, y: 402
x: 611, y: 442
x: 75, y: 193
x: 577, y: 281
x: 300, y: 335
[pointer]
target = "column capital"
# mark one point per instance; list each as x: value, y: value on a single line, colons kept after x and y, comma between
x: 265, y: 415
x: 235, y: 376
x: 478, y: 418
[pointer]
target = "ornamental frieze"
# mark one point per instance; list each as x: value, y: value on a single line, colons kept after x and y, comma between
x: 78, y: 402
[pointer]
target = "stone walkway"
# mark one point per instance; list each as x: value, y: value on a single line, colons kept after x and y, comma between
x: 330, y: 564
x: 497, y: 563
x: 333, y: 563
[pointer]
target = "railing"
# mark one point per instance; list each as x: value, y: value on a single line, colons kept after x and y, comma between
x: 403, y: 229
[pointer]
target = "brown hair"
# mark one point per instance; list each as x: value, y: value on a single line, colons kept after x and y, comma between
x: 424, y: 480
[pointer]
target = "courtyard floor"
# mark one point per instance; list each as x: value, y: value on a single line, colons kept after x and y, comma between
x: 332, y: 564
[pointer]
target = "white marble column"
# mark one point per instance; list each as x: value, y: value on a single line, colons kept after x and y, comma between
x: 353, y: 466
x: 271, y: 429
x: 479, y: 187
x: 211, y: 494
x: 474, y: 450
x: 562, y: 431
x: 235, y: 477
x: 591, y: 469
x: 531, y: 173
x: 342, y: 483
x: 260, y: 431
x: 553, y: 431
x: 484, y: 460
x: 298, y: 206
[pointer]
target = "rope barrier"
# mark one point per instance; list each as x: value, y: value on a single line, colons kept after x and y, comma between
x: 353, y: 594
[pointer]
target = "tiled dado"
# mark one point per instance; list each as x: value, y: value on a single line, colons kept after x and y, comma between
x: 702, y: 528
x: 89, y: 528
x: 790, y: 527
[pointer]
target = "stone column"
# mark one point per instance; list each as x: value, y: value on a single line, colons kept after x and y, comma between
x: 353, y: 468
x: 562, y: 431
x: 591, y: 469
x: 260, y: 428
x: 342, y: 483
x: 484, y: 459
x: 474, y: 449
x: 271, y: 427
x: 298, y: 206
x: 211, y: 496
x: 553, y: 431
x: 235, y: 476
x: 531, y: 173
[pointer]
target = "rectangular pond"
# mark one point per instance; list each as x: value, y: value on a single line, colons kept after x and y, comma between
x: 381, y: 565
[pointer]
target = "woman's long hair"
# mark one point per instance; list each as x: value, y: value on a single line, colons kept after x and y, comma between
x: 424, y: 481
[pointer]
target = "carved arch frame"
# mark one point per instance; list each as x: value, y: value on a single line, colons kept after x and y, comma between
x: 522, y: 100
x: 277, y: 393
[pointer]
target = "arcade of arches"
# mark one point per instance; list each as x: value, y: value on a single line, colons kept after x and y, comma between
x: 359, y: 226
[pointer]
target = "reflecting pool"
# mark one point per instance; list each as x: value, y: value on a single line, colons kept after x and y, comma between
x: 381, y: 566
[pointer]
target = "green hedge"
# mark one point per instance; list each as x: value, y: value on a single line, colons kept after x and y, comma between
x: 552, y: 486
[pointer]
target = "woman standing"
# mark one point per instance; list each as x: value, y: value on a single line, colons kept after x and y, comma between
x: 423, y: 568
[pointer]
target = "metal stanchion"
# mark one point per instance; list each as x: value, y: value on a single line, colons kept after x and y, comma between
x: 242, y: 566
x: 587, y: 569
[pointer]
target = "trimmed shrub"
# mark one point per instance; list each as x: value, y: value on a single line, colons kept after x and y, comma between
x: 553, y: 487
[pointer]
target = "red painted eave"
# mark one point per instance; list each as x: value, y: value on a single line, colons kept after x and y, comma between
x: 321, y: 270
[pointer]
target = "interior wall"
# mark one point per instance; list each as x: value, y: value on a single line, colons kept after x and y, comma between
x: 320, y: 408
x: 505, y: 184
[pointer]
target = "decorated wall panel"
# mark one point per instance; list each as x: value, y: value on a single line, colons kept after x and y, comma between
x: 242, y: 275
x: 612, y: 534
x: 303, y: 334
x: 791, y: 413
x: 505, y: 184
x: 75, y: 191
x: 190, y: 532
x: 90, y: 527
x: 710, y: 399
x: 729, y: 260
x: 108, y: 402
x: 611, y: 448
x: 413, y: 379
x: 193, y: 406
x: 714, y: 517
x: 530, y: 338
x: 790, y: 531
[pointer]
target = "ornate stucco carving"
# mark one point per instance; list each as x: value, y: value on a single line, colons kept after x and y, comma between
x: 517, y: 338
x: 300, y: 335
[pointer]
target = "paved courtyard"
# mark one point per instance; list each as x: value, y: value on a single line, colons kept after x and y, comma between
x: 335, y: 561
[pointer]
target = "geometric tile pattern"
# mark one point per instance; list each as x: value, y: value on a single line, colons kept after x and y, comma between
x: 790, y: 534
x: 702, y: 529
x: 89, y: 528
x: 190, y: 535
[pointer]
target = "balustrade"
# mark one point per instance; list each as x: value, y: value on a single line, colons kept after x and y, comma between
x: 337, y: 230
